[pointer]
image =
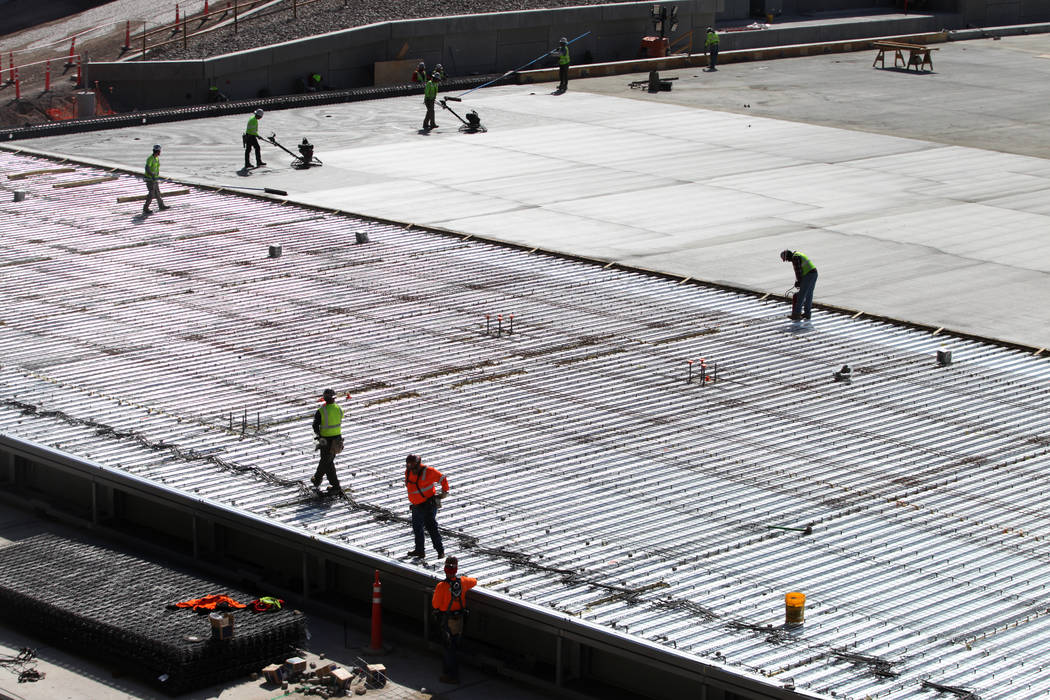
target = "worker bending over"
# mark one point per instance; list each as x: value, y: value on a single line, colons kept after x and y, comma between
x: 805, y: 282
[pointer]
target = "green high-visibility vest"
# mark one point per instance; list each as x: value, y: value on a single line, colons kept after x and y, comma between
x: 253, y: 126
x: 712, y: 39
x: 807, y: 264
x: 430, y: 90
x: 331, y: 419
x: 153, y: 167
x: 563, y: 58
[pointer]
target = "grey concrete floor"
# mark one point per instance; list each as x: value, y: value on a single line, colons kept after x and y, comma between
x: 412, y: 670
x: 921, y: 197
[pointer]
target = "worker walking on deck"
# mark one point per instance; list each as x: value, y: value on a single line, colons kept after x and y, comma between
x: 430, y: 92
x: 805, y: 282
x: 711, y: 48
x: 251, y: 141
x: 328, y: 430
x: 153, y: 181
x: 450, y: 607
x: 562, y: 52
x: 421, y: 482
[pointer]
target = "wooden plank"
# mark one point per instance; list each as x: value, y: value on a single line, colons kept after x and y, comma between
x: 141, y: 197
x: 47, y: 171
x: 83, y: 183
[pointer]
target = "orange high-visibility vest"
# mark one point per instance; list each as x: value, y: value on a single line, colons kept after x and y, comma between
x: 421, y: 487
x: 445, y: 600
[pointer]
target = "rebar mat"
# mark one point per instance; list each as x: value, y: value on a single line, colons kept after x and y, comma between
x: 114, y: 606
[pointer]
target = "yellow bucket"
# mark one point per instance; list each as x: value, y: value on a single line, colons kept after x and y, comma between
x: 794, y: 608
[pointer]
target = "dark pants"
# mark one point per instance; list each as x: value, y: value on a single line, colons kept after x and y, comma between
x: 428, y: 121
x: 452, y: 630
x: 251, y: 141
x: 326, y: 466
x: 563, y: 76
x: 712, y: 58
x: 424, y: 515
x: 804, y: 299
x: 153, y: 187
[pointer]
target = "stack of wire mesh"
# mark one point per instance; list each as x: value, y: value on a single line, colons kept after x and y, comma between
x: 117, y: 607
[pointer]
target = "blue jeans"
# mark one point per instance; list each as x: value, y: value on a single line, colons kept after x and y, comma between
x: 424, y: 515
x: 450, y: 666
x: 804, y: 299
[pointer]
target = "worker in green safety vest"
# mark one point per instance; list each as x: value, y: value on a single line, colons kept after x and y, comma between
x: 430, y: 91
x: 711, y: 49
x: 805, y: 282
x: 153, y: 181
x: 251, y: 141
x: 328, y: 431
x: 562, y: 52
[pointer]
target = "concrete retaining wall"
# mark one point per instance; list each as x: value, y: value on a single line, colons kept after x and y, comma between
x: 466, y: 45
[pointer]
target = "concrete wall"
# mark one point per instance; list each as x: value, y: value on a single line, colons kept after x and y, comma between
x: 465, y: 44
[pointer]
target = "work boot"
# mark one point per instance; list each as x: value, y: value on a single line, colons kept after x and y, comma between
x: 261, y: 163
x: 441, y: 554
x: 795, y: 317
x: 805, y: 317
x: 315, y: 482
x: 145, y: 210
x: 164, y: 206
x: 415, y: 554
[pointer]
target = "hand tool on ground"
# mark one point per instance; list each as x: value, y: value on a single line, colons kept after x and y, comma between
x: 807, y: 530
x: 267, y: 190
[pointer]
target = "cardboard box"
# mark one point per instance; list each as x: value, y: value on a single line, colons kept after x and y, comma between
x: 274, y: 674
x: 295, y: 665
x: 221, y: 625
x: 324, y: 668
x: 342, y: 677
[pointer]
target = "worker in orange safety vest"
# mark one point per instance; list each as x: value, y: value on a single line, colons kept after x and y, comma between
x: 424, y: 501
x: 449, y: 605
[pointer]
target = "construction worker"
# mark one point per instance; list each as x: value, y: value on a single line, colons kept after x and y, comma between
x: 419, y: 75
x: 439, y: 72
x: 313, y: 82
x: 421, y: 482
x: 153, y: 181
x: 328, y: 431
x: 430, y: 91
x: 562, y: 52
x: 251, y: 140
x: 449, y: 604
x: 805, y: 281
x: 711, y: 49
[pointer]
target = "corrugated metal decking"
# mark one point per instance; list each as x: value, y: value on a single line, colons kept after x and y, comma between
x: 587, y: 474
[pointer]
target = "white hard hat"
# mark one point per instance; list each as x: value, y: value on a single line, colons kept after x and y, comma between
x: 156, y: 147
x: 258, y: 112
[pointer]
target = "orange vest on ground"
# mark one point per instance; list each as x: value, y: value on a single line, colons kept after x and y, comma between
x: 444, y: 601
x: 211, y: 602
x: 421, y: 485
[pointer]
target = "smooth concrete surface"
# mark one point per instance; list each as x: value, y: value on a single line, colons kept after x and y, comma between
x: 413, y: 671
x: 919, y: 196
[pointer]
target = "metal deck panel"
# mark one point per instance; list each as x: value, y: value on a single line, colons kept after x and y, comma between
x: 588, y: 476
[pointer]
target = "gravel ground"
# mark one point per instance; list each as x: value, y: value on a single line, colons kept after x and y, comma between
x: 332, y: 15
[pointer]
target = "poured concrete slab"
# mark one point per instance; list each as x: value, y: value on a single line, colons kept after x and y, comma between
x: 921, y: 197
